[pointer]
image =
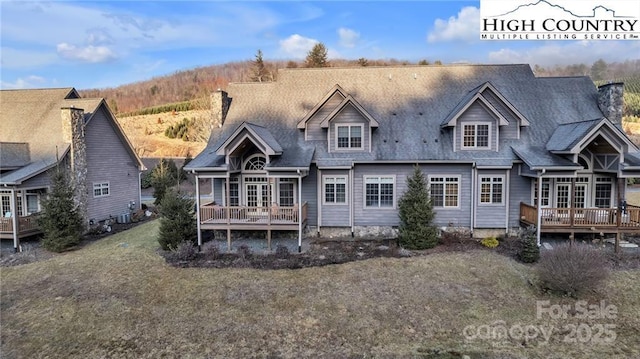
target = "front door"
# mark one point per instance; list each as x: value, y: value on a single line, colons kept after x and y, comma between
x: 258, y: 194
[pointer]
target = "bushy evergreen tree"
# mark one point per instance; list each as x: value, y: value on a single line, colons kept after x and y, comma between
x: 416, y: 215
x: 530, y: 251
x: 178, y: 222
x: 259, y: 69
x: 164, y: 176
x: 317, y: 56
x: 60, y: 221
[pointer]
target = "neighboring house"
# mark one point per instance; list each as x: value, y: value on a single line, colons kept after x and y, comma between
x: 331, y: 149
x: 46, y: 127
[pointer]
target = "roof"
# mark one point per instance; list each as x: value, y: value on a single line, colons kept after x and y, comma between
x: 537, y: 157
x: 13, y: 155
x: 409, y: 103
x: 33, y: 118
x: 568, y: 135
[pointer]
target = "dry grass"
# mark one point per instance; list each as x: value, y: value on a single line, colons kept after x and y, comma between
x: 118, y: 298
x: 633, y: 198
x: 146, y: 134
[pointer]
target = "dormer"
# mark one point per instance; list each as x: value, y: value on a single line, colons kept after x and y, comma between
x: 481, y: 118
x: 310, y: 123
x: 349, y: 127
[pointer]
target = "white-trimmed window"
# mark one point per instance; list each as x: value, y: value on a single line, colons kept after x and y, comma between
x: 491, y: 189
x: 101, y: 189
x: 546, y: 190
x: 349, y: 136
x: 335, y: 189
x: 476, y: 135
x: 286, y: 192
x: 445, y: 191
x: 379, y: 191
x: 603, y: 192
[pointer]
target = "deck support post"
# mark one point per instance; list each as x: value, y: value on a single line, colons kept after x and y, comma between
x: 14, y: 220
x: 228, y: 239
x: 269, y: 238
x: 227, y: 204
x: 300, y: 213
x: 617, y: 248
x: 198, y: 213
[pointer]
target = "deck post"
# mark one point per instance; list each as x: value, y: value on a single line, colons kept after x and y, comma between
x: 227, y: 206
x: 300, y: 213
x: 198, y: 213
x: 617, y: 248
x: 269, y: 238
x: 14, y: 219
x: 539, y: 210
x: 228, y: 239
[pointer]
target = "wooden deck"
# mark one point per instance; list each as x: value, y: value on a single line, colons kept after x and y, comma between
x: 583, y: 220
x: 252, y: 218
x: 27, y: 226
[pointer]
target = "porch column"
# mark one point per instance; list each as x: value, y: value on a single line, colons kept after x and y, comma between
x: 539, y: 207
x: 198, y: 212
x: 228, y: 210
x: 300, y: 213
x: 13, y: 204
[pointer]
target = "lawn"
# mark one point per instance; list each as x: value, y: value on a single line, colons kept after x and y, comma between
x: 118, y: 298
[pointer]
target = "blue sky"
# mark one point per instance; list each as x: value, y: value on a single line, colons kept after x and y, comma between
x: 101, y: 44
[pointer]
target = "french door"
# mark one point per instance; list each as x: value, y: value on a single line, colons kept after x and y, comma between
x: 571, y: 195
x: 258, y: 194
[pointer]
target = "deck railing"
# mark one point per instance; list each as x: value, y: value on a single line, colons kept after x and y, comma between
x: 581, y: 217
x: 25, y: 224
x: 247, y: 215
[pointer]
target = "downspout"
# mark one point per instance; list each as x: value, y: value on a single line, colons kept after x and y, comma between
x: 198, y: 212
x: 474, y: 174
x: 319, y: 197
x: 140, y: 189
x: 508, y: 191
x: 14, y: 219
x: 539, y: 207
x: 299, y: 211
x: 351, y: 207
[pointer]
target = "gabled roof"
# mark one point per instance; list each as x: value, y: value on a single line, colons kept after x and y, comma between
x: 538, y: 158
x: 33, y: 117
x: 476, y: 95
x: 349, y: 100
x: 336, y: 89
x: 409, y: 103
x: 265, y: 139
x: 573, y: 137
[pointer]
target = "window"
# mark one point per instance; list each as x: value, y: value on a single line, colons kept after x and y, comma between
x: 234, y: 192
x: 603, y: 192
x: 101, y: 189
x: 5, y: 201
x: 349, y: 136
x: 285, y: 188
x: 491, y: 190
x: 546, y: 186
x: 475, y: 136
x: 379, y: 191
x: 444, y: 191
x: 335, y: 190
x: 255, y: 163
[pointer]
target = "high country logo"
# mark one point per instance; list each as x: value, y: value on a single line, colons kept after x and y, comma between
x: 560, y: 20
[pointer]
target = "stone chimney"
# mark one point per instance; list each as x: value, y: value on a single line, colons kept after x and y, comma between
x: 73, y: 133
x: 219, y: 107
x: 610, y: 101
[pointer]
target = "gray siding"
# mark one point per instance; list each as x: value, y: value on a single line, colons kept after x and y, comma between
x: 109, y: 161
x: 349, y: 115
x: 478, y: 114
x: 310, y: 195
x: 335, y: 215
x: 509, y: 131
x: 40, y: 181
x: 519, y: 191
x: 460, y: 216
x: 491, y: 215
x: 314, y: 131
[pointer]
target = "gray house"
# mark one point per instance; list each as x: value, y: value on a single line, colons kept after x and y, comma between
x: 45, y: 127
x: 330, y: 150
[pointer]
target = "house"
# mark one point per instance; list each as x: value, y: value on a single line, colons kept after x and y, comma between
x: 45, y: 127
x: 330, y: 150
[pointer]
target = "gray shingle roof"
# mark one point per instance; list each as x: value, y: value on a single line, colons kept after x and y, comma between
x: 409, y: 103
x: 13, y: 154
x: 568, y: 135
x: 537, y: 157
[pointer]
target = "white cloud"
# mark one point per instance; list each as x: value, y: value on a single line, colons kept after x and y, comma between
x: 348, y: 37
x: 20, y: 83
x: 91, y: 54
x: 567, y: 53
x: 465, y: 27
x: 297, y: 46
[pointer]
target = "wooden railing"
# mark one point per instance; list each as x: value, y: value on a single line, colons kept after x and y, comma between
x: 247, y: 215
x: 581, y: 217
x: 25, y: 224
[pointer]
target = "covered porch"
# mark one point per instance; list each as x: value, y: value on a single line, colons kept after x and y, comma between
x: 20, y: 211
x: 582, y: 220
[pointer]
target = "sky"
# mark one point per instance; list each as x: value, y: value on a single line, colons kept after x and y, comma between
x: 99, y: 44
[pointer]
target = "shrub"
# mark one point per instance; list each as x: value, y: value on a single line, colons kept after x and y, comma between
x: 178, y: 223
x: 530, y: 251
x: 282, y: 252
x: 572, y: 268
x: 416, y: 215
x: 453, y: 236
x: 244, y: 252
x: 185, y: 251
x: 211, y: 250
x: 490, y: 242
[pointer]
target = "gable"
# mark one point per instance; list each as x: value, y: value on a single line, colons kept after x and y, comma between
x: 349, y: 101
x: 334, y: 94
x: 258, y: 135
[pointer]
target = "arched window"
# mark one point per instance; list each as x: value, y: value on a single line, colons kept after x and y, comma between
x: 584, y: 162
x: 255, y: 163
